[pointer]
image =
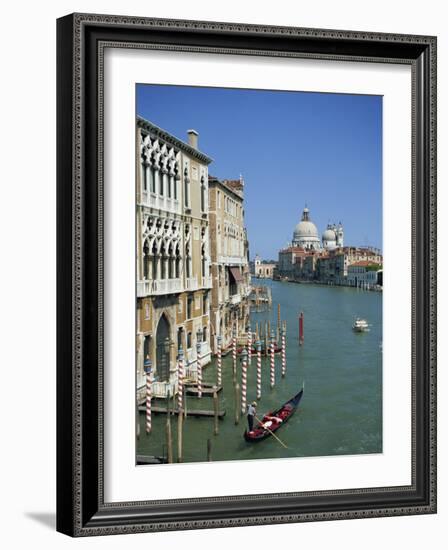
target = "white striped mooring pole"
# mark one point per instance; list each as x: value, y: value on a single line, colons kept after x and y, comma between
x: 180, y: 380
x: 272, y: 359
x: 243, y: 380
x: 199, y: 368
x: 258, y: 346
x: 148, y: 372
x: 283, y: 352
x: 219, y: 362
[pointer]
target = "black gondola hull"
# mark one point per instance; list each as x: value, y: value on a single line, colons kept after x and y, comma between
x: 259, y: 433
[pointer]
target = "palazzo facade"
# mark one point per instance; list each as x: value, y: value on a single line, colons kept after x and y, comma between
x: 173, y: 255
x: 230, y: 259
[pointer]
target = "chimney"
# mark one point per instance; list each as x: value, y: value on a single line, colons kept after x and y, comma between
x: 193, y: 138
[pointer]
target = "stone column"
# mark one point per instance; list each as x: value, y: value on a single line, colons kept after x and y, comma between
x: 158, y: 267
x: 150, y: 266
x: 171, y: 178
x: 157, y: 180
x: 165, y: 183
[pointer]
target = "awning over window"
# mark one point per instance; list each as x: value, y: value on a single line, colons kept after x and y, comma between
x: 236, y: 275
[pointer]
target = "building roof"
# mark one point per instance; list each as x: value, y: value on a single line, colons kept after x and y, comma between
x: 365, y: 249
x: 235, y: 184
x: 236, y: 187
x: 293, y: 249
x: 172, y: 140
x: 363, y: 263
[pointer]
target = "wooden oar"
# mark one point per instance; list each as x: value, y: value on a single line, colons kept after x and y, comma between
x: 272, y: 433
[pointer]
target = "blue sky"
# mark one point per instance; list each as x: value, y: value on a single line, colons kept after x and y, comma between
x: 292, y: 148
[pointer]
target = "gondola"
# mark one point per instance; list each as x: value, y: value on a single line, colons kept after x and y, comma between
x: 282, y: 414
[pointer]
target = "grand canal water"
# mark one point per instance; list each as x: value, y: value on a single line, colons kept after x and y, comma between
x: 341, y: 410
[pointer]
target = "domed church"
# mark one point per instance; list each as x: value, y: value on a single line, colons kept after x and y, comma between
x: 306, y: 234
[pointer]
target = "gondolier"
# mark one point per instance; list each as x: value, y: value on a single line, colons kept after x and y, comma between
x: 251, y: 412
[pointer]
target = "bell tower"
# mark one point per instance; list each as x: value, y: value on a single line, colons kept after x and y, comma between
x: 339, y: 235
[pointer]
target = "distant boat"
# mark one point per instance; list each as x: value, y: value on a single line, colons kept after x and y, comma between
x: 273, y: 420
x: 360, y: 325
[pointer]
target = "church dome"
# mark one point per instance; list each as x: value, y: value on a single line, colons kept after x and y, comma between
x: 305, y: 229
x: 305, y: 233
x: 329, y: 235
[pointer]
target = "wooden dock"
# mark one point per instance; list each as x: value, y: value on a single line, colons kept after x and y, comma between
x: 160, y: 409
x: 207, y: 389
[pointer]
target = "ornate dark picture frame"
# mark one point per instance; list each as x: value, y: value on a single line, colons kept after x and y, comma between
x: 81, y: 40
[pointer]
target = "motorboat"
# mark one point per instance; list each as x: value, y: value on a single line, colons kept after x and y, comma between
x: 360, y: 325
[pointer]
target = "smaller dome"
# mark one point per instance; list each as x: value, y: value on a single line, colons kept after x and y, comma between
x: 329, y: 235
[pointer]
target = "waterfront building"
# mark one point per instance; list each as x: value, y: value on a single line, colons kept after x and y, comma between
x: 364, y: 274
x: 296, y: 263
x: 262, y: 269
x: 173, y: 254
x: 229, y: 259
x: 331, y: 267
x: 287, y: 259
x: 362, y: 253
x: 307, y: 260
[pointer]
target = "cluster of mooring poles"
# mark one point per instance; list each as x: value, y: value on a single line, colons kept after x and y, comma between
x: 274, y: 342
x: 264, y: 339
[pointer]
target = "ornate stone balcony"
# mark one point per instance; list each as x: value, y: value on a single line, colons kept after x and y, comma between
x: 235, y: 299
x: 232, y: 260
x: 191, y: 283
x: 207, y: 282
x: 158, y: 287
x: 167, y: 204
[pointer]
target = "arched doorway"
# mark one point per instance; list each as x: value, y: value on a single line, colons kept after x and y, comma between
x: 163, y: 349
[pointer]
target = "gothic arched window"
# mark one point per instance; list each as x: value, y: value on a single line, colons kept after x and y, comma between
x: 144, y: 175
x: 146, y: 261
x: 186, y: 188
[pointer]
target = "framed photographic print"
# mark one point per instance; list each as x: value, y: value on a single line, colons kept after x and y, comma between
x: 246, y: 274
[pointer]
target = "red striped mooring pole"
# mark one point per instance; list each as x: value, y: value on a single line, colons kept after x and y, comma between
x: 301, y: 338
x: 199, y: 368
x: 249, y: 345
x: 234, y: 350
x: 243, y: 380
x: 258, y: 346
x: 272, y: 359
x: 219, y: 362
x: 283, y: 352
x: 180, y: 381
x: 148, y: 372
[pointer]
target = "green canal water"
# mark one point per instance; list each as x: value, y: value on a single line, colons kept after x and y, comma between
x: 341, y: 409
